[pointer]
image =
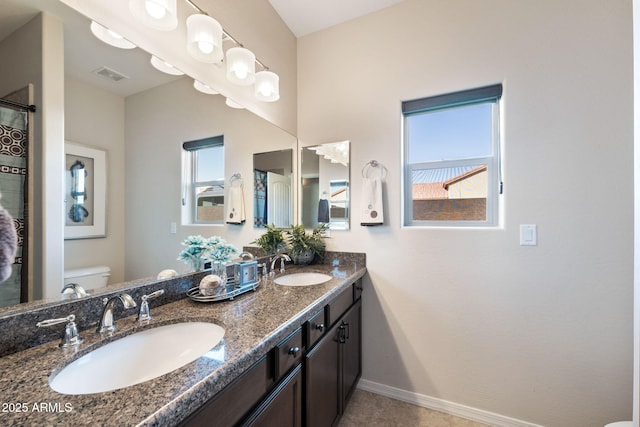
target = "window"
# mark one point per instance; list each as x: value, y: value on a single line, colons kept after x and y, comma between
x: 452, y: 159
x: 203, y: 187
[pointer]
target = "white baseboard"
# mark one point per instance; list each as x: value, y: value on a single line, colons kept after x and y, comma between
x: 451, y: 408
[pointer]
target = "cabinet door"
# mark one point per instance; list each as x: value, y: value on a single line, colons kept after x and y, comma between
x: 322, y: 381
x: 230, y: 405
x: 283, y: 407
x: 351, y: 344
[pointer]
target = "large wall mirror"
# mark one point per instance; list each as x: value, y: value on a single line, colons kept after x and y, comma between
x: 141, y: 122
x: 324, y: 185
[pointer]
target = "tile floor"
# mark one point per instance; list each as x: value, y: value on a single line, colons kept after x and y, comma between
x: 373, y: 410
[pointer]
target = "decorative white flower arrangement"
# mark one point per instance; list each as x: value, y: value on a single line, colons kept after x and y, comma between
x: 199, y: 250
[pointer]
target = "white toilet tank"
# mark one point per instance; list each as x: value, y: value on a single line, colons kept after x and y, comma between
x: 88, y: 277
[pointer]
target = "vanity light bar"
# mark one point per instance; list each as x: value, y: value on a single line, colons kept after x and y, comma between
x: 272, y: 79
x: 226, y: 33
x: 203, y: 44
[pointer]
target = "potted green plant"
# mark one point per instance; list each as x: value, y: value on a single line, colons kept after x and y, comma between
x: 304, y: 246
x: 271, y: 241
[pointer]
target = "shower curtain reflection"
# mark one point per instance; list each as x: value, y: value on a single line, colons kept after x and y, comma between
x: 13, y: 172
x: 260, y: 198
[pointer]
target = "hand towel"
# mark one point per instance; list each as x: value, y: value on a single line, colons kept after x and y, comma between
x: 372, y: 202
x: 235, y: 210
x: 8, y: 244
x: 323, y: 211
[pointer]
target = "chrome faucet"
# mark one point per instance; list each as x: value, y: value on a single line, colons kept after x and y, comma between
x: 70, y: 337
x: 73, y: 290
x: 246, y: 254
x: 282, y: 258
x: 106, y: 321
x: 144, y: 314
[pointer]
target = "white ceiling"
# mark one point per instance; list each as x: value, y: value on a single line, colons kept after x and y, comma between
x: 308, y: 16
x: 301, y: 16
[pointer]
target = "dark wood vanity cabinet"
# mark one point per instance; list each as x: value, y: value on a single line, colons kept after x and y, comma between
x: 332, y: 369
x: 305, y: 380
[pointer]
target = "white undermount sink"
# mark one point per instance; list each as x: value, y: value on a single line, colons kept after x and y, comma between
x: 136, y: 358
x: 302, y: 279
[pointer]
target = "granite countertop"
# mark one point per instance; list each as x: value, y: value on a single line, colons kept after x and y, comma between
x: 254, y: 322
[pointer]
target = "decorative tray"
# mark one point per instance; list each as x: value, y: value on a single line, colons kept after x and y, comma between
x: 222, y: 293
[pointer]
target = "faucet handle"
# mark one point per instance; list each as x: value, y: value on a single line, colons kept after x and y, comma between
x: 263, y: 266
x: 154, y: 294
x: 71, y: 336
x: 144, y: 314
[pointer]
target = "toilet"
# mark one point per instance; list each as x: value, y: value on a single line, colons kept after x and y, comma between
x: 620, y: 424
x: 88, y: 277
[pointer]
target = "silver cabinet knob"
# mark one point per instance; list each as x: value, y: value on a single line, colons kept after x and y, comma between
x: 294, y: 351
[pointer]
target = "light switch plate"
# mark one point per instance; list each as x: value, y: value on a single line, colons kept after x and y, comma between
x: 528, y: 235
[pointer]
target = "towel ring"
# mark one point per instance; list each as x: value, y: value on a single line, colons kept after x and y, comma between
x: 235, y: 177
x: 373, y: 164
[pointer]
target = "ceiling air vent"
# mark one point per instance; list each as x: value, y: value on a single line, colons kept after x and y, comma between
x: 109, y: 73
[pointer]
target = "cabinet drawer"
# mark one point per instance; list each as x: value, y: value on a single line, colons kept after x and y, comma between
x: 288, y: 353
x: 339, y: 305
x: 316, y: 327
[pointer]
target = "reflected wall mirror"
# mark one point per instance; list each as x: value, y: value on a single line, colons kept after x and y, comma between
x: 324, y: 185
x: 273, y: 188
x: 142, y: 129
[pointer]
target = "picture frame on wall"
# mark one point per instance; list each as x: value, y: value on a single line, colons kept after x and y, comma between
x: 85, y: 191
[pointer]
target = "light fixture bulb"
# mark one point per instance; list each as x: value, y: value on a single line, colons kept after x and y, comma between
x: 205, y: 47
x: 267, y: 86
x: 240, y: 70
x: 241, y: 66
x: 158, y: 14
x: 154, y: 10
x: 265, y: 90
x: 204, y: 38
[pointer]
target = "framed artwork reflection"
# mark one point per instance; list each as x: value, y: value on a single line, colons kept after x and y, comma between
x: 85, y: 191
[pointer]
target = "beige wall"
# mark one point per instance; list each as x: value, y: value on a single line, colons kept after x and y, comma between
x: 541, y: 334
x: 95, y: 118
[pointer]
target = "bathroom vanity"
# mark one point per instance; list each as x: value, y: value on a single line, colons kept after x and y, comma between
x: 290, y: 356
x: 325, y: 350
